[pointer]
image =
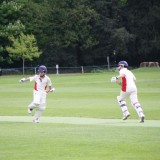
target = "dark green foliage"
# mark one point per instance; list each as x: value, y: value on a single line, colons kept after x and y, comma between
x: 85, y: 32
x: 9, y: 25
x: 143, y: 21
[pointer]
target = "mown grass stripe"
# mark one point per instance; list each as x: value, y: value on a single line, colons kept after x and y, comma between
x: 83, y: 121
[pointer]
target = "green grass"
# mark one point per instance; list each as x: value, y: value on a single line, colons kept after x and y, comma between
x: 86, y: 95
x: 80, y: 95
x: 30, y: 141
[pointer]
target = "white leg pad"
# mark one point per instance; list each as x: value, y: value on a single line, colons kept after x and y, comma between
x: 123, y: 106
x: 138, y: 109
x: 39, y: 111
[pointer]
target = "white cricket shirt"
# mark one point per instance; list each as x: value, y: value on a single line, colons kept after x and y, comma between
x: 41, y: 83
x: 128, y: 82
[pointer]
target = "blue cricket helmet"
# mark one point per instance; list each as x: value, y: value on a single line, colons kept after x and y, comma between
x: 42, y: 68
x: 124, y: 63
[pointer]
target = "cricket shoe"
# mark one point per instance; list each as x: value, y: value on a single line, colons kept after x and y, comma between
x: 125, y: 117
x: 36, y: 120
x: 142, y: 119
x: 30, y: 110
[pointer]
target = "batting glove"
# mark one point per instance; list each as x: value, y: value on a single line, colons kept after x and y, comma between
x: 113, y: 79
x: 51, y: 90
x: 22, y: 80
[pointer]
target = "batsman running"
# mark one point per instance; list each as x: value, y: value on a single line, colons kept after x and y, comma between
x: 42, y: 86
x: 128, y: 89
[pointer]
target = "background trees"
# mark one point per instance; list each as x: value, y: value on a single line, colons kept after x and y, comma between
x: 143, y: 21
x: 84, y: 32
x: 23, y: 47
x: 9, y: 25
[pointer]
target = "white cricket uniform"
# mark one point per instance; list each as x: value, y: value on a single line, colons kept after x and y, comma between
x: 40, y: 88
x: 128, y: 86
x: 129, y: 89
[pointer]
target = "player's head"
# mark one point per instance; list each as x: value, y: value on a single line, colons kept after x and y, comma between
x: 42, y: 70
x: 122, y: 64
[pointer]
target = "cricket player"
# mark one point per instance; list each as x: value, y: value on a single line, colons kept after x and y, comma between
x: 42, y: 86
x: 128, y: 88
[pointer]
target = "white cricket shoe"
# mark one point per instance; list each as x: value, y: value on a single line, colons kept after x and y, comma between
x: 36, y: 120
x: 125, y: 117
x: 142, y: 119
x: 30, y: 110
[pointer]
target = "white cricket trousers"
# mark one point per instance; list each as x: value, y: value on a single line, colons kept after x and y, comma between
x: 39, y: 97
x: 39, y: 102
x: 134, y: 101
x: 131, y: 94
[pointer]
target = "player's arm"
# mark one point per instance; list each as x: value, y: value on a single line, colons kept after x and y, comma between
x: 24, y: 80
x: 119, y: 82
x: 50, y: 88
x: 120, y: 76
x: 28, y: 79
x: 117, y: 79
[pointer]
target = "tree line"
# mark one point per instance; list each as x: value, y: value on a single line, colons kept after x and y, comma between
x: 78, y: 32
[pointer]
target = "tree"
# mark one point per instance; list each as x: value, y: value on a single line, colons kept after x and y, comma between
x: 107, y: 29
x: 84, y: 32
x: 9, y: 25
x: 64, y: 25
x: 142, y: 19
x: 23, y: 47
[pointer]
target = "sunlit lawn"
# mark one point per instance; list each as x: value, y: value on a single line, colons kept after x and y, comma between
x: 80, y: 95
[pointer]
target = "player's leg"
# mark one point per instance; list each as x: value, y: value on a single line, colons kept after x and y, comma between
x: 35, y: 103
x: 31, y: 106
x: 38, y: 112
x: 40, y: 108
x: 123, y: 105
x: 137, y: 106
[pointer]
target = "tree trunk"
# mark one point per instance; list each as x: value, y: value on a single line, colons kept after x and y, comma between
x: 23, y: 64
